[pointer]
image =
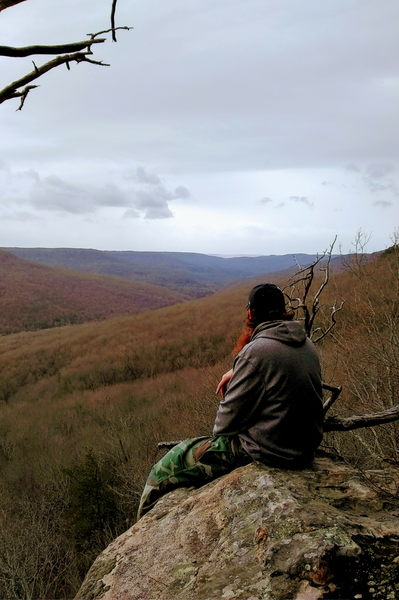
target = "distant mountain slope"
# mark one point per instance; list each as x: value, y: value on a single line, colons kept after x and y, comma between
x: 34, y: 296
x: 195, y: 274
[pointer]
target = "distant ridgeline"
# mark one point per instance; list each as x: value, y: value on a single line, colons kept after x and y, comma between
x: 193, y: 274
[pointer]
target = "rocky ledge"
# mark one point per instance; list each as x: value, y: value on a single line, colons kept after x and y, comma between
x: 260, y: 533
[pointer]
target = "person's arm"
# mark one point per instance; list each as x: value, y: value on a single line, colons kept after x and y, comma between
x: 237, y: 408
x: 221, y: 388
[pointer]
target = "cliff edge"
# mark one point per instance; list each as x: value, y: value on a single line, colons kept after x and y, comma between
x: 259, y: 533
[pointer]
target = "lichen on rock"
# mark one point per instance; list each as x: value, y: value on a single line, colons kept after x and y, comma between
x: 258, y: 533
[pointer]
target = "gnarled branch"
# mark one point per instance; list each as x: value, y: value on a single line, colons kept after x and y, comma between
x: 14, y: 89
x: 335, y: 392
x: 357, y: 421
x: 299, y: 300
x: 39, y: 49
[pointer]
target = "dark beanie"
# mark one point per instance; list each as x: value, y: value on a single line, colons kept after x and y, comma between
x: 267, y: 299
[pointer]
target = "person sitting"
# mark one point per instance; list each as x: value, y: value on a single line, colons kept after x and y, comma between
x: 271, y: 408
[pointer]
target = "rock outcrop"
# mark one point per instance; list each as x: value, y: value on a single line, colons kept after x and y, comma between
x: 259, y: 533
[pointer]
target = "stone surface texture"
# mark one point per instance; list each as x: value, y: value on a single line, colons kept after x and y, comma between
x: 259, y: 533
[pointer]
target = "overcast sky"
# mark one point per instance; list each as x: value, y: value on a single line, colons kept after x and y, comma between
x: 221, y: 126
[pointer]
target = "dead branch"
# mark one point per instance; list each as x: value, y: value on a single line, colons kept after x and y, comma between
x: 7, y: 3
x: 14, y: 89
x: 39, y: 49
x: 336, y: 423
x: 335, y: 392
x: 113, y: 10
x: 299, y: 298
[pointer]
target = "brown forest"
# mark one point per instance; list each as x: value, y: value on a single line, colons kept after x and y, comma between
x: 83, y: 407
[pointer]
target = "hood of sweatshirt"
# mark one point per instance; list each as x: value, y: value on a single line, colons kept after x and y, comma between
x: 287, y: 332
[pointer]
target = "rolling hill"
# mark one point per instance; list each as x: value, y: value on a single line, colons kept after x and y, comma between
x: 193, y: 274
x: 35, y: 296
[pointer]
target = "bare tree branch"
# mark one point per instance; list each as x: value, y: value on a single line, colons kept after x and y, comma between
x: 14, y: 89
x: 7, y: 3
x: 335, y: 392
x: 299, y: 300
x: 11, y: 91
x: 357, y: 421
x: 113, y: 10
x: 59, y: 49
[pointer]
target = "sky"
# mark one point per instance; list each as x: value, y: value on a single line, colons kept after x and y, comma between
x: 222, y: 126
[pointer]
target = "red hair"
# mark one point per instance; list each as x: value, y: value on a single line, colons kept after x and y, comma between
x: 249, y: 326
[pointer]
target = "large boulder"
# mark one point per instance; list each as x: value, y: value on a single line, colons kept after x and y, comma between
x: 259, y: 533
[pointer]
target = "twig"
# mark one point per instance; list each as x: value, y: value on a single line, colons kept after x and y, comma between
x: 335, y: 392
x: 13, y: 91
x: 113, y: 10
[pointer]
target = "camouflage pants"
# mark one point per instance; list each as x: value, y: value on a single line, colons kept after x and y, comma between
x: 193, y: 462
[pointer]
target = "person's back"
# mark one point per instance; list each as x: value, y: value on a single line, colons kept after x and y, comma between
x: 273, y: 400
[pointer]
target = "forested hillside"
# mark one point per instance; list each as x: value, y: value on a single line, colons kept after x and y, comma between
x: 34, y: 296
x: 192, y: 274
x: 82, y: 408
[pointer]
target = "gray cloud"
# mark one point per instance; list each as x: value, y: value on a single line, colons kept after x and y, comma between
x: 352, y: 167
x: 131, y: 213
x: 383, y: 203
x: 154, y: 203
x: 141, y: 176
x: 377, y: 171
x: 110, y: 195
x: 377, y: 180
x: 302, y: 199
x: 20, y: 216
x: 53, y: 193
x: 182, y: 192
x: 265, y: 200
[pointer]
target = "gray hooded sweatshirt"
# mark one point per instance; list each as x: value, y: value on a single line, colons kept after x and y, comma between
x: 274, y: 398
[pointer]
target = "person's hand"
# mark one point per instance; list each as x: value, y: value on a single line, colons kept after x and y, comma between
x: 221, y: 388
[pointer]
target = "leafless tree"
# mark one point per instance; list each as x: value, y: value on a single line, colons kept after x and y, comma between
x: 74, y: 52
x: 307, y: 303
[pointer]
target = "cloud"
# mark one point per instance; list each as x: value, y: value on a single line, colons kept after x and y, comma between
x: 383, y: 203
x: 265, y: 200
x: 131, y: 213
x: 377, y: 171
x: 352, y: 167
x: 110, y: 195
x: 154, y: 203
x: 302, y: 199
x: 141, y: 176
x: 377, y: 180
x: 21, y: 216
x: 55, y: 194
x: 182, y: 192
x: 52, y: 193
